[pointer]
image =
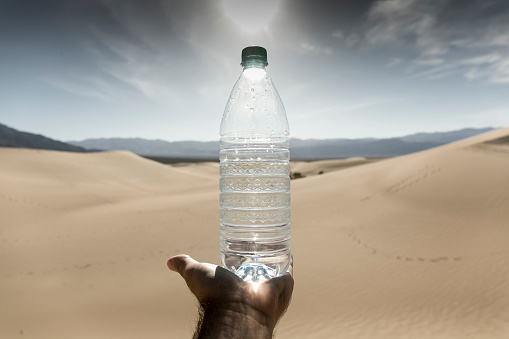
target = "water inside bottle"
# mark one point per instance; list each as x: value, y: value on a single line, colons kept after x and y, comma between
x: 255, y: 210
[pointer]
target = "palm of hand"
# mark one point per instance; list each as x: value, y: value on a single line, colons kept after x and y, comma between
x: 215, y: 285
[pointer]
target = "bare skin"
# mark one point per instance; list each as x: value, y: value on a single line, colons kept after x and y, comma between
x: 231, y: 307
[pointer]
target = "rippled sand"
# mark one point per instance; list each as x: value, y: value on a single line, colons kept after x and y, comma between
x: 409, y: 247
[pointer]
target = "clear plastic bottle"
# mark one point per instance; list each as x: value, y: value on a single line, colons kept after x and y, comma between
x: 255, y: 175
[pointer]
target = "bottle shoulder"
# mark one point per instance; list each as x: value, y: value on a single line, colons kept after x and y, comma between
x: 254, y: 107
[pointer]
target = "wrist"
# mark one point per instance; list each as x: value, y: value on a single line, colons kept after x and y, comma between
x: 234, y: 320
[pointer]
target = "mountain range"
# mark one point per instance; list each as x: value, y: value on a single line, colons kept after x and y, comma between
x: 10, y: 137
x: 309, y: 149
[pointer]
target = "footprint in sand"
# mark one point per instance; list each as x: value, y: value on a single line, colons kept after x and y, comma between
x: 373, y: 250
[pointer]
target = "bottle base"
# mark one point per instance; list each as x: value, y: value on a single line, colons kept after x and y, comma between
x: 255, y: 272
x: 256, y: 268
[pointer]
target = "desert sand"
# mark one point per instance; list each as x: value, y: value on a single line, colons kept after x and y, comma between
x: 410, y: 247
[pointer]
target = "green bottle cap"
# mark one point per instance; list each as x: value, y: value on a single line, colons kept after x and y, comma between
x: 254, y: 54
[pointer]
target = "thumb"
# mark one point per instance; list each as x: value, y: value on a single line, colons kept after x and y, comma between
x: 180, y: 262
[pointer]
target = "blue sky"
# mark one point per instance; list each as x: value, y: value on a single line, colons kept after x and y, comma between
x: 80, y: 69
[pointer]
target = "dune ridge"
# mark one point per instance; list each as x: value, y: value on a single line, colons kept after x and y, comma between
x: 410, y: 247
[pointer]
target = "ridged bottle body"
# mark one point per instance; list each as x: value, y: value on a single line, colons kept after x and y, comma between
x: 255, y: 180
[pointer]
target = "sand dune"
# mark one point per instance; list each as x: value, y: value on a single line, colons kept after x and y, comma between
x: 410, y: 247
x: 309, y: 168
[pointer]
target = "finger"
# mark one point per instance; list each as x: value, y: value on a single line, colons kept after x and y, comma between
x: 290, y: 269
x: 180, y: 263
x: 171, y: 265
x: 284, y: 282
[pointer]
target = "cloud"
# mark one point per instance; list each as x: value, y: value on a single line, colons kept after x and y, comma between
x: 345, y: 107
x: 394, y: 62
x: 501, y: 74
x: 429, y: 61
x: 364, y: 104
x: 440, y: 33
x: 100, y: 49
x: 482, y: 59
x: 311, y: 48
x: 338, y: 34
x: 491, y: 68
x: 405, y: 22
x: 84, y: 90
x: 498, y: 39
x: 141, y: 68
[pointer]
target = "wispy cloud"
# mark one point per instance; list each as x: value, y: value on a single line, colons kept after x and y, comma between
x: 405, y: 22
x: 85, y: 89
x: 440, y: 43
x: 501, y: 74
x: 346, y: 107
x: 306, y: 47
x: 121, y: 55
x: 364, y: 104
x: 394, y: 62
x: 338, y: 34
x: 137, y: 63
x: 491, y: 68
x: 429, y: 61
x: 482, y: 59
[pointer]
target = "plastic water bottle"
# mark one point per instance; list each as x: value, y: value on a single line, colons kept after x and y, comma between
x: 255, y: 175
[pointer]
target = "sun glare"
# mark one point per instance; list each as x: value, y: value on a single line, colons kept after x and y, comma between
x: 250, y: 15
x: 255, y: 285
x: 255, y: 74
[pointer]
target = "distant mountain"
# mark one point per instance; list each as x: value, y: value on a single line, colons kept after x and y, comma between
x: 312, y: 149
x: 445, y: 137
x: 377, y: 148
x: 10, y: 137
x: 155, y: 148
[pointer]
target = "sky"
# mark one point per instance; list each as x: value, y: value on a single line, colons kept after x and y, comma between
x: 72, y: 70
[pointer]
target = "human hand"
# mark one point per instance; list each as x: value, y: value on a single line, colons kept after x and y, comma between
x: 232, y: 307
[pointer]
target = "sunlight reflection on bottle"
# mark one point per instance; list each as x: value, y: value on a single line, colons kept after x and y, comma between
x: 255, y: 273
x: 255, y: 285
x: 255, y: 73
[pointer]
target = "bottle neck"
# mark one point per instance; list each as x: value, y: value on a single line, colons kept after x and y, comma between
x: 254, y: 64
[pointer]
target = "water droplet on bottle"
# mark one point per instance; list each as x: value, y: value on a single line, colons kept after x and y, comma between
x: 251, y: 109
x: 252, y: 89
